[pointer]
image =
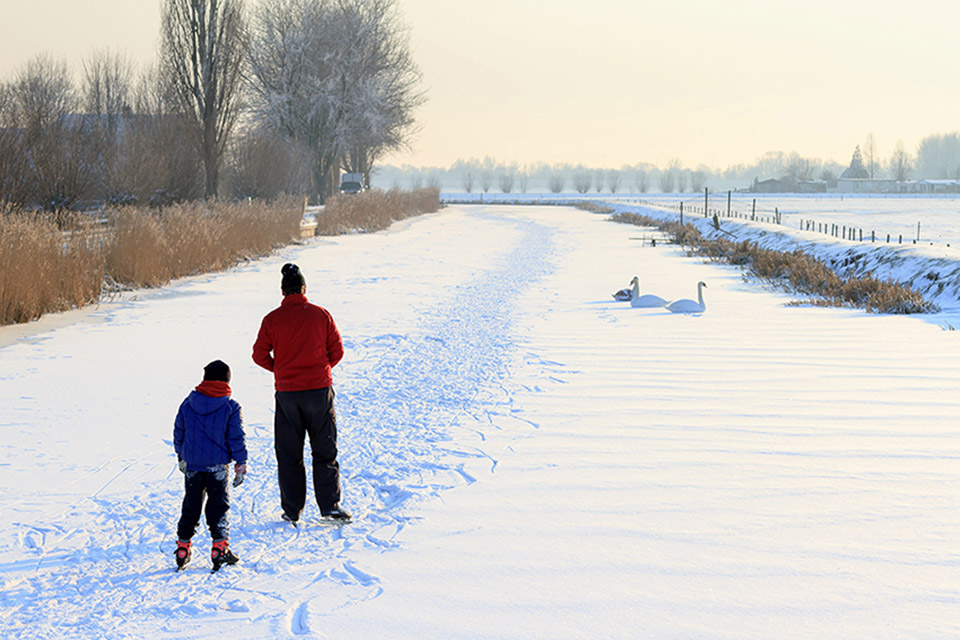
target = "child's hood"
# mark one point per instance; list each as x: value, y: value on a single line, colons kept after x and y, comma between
x: 204, y: 404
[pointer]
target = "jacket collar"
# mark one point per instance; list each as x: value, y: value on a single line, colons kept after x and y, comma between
x: 294, y: 298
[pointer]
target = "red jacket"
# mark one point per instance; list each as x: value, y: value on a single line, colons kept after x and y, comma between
x: 304, y: 342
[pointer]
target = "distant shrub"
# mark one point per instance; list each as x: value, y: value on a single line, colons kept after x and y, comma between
x: 593, y: 207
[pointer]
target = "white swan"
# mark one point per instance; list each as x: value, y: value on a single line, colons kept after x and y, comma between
x: 643, y: 301
x: 689, y: 306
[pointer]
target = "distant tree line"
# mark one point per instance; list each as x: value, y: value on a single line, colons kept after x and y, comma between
x: 241, y: 102
x: 937, y: 157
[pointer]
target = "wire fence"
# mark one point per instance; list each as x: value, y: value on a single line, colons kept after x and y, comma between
x: 719, y: 207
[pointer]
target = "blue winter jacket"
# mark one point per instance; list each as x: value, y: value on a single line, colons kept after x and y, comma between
x: 208, y: 432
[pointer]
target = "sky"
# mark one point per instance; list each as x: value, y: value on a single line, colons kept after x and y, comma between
x: 614, y: 82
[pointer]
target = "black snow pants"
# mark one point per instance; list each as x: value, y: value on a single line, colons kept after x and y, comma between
x: 213, y: 486
x: 299, y: 414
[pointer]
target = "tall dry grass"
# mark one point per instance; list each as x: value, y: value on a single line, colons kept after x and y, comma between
x: 796, y: 271
x: 374, y: 210
x: 43, y: 268
x: 151, y: 248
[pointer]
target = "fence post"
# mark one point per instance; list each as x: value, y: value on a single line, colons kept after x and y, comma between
x: 706, y: 202
x: 681, y: 213
x: 918, y: 231
x: 728, y: 202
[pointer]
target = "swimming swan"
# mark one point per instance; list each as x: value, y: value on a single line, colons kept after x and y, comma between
x: 689, y: 306
x: 644, y: 301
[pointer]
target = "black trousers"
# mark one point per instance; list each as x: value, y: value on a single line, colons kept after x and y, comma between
x: 300, y: 414
x: 213, y: 485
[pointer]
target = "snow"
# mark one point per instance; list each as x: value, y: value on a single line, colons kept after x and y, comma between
x: 525, y: 456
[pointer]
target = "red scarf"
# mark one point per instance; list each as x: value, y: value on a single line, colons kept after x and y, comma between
x: 214, y: 388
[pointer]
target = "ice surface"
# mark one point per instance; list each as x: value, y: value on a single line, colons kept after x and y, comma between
x: 524, y: 456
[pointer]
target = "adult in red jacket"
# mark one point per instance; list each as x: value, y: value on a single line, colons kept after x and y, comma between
x: 299, y: 342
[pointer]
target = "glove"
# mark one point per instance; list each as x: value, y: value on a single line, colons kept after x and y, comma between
x: 240, y: 472
x: 182, y: 464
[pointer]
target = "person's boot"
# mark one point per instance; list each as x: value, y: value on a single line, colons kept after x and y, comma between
x: 182, y: 554
x: 336, y: 513
x: 220, y: 554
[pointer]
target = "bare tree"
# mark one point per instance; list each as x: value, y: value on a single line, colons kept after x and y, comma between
x: 698, y: 179
x: 14, y: 167
x: 641, y: 180
x: 599, y: 178
x: 523, y: 177
x: 487, y: 170
x: 506, y: 176
x: 41, y: 106
x: 466, y: 179
x: 107, y: 96
x: 667, y: 180
x: 870, y: 160
x: 797, y: 168
x: 556, y: 181
x: 613, y: 180
x: 900, y: 163
x: 682, y: 175
x: 203, y: 44
x: 264, y: 164
x: 582, y: 179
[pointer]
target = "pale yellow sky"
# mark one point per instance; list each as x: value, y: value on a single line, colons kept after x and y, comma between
x: 613, y: 82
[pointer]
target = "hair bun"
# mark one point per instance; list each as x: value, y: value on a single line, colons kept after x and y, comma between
x: 290, y: 269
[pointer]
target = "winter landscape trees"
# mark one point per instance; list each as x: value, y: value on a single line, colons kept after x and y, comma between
x: 240, y: 98
x: 336, y: 78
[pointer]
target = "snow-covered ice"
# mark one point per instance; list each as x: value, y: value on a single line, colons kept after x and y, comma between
x: 525, y: 456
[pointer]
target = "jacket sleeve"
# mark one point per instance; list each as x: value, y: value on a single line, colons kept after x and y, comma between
x: 334, y: 343
x: 263, y: 347
x: 178, y: 432
x: 236, y: 440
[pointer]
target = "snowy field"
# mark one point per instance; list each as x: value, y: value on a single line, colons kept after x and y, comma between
x: 897, y: 215
x: 525, y: 457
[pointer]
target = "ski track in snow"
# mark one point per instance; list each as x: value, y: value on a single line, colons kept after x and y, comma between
x: 104, y: 567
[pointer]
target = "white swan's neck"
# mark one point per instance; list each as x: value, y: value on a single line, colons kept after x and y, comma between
x: 636, y: 287
x: 700, y: 294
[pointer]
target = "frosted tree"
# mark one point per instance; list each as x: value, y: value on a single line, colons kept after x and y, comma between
x: 613, y: 180
x: 506, y: 176
x: 203, y: 43
x: 582, y: 179
x: 938, y: 156
x: 871, y: 161
x: 641, y: 180
x: 900, y: 163
x: 556, y: 181
x: 335, y: 76
x: 523, y: 178
x: 698, y: 179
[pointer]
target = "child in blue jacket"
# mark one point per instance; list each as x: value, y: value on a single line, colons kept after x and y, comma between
x: 207, y: 435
